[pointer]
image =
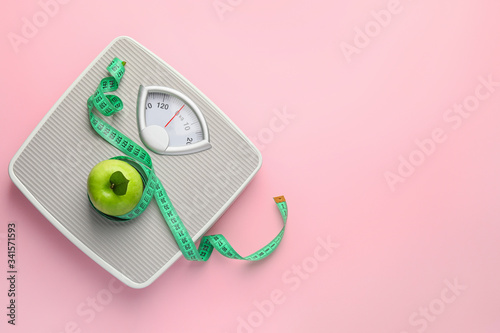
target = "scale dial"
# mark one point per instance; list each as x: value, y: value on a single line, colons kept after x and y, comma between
x: 169, y: 122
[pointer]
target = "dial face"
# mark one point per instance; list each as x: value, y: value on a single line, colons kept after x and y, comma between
x: 175, y: 116
x: 169, y: 122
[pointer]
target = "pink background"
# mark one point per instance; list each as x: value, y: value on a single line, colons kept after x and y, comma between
x: 397, y: 250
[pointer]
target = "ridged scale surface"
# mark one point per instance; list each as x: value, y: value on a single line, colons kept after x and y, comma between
x: 55, y: 164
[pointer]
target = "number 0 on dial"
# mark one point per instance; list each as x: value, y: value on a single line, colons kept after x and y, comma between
x: 169, y: 122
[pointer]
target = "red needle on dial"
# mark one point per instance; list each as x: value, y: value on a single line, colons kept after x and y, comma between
x: 175, y: 115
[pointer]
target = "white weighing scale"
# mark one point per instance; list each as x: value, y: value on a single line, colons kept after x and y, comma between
x: 202, y: 158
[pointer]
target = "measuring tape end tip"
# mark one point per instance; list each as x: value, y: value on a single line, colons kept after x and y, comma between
x: 279, y: 199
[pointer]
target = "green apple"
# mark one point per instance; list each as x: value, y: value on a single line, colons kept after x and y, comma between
x: 114, y: 187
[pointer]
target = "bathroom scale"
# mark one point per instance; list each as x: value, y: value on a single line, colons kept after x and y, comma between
x: 203, y: 160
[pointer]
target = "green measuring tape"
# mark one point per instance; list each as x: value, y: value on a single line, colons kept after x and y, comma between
x: 107, y: 105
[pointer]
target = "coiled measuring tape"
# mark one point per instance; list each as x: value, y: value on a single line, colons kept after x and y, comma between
x: 107, y: 105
